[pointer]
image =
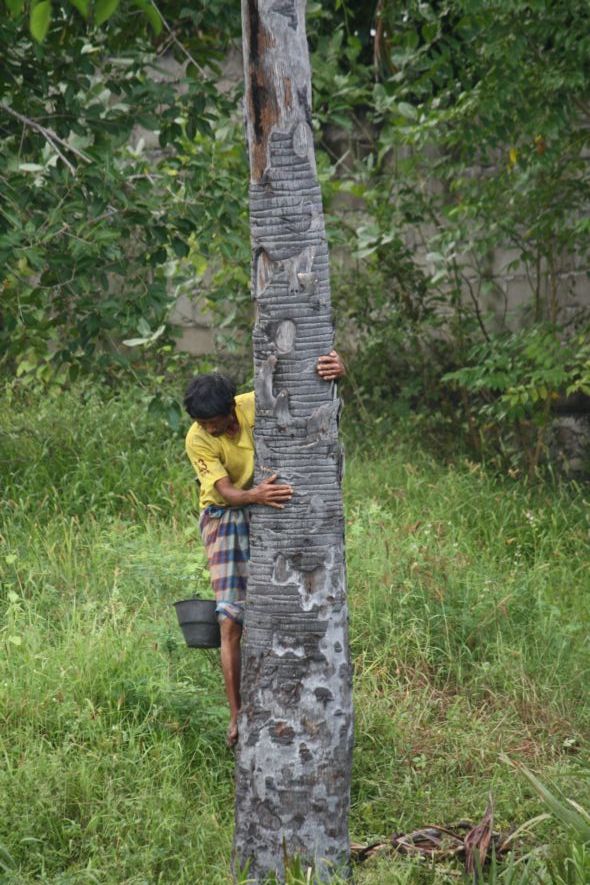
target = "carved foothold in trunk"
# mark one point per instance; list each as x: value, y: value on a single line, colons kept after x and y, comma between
x: 307, y: 285
x: 299, y: 270
x: 286, y: 8
x: 285, y: 336
x: 264, y: 271
x: 302, y: 140
x: 265, y: 398
x: 281, y: 410
x: 321, y: 422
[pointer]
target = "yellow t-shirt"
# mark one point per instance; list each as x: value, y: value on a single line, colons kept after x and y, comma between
x: 214, y: 457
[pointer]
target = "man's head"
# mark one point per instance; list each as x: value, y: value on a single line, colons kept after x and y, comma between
x: 209, y: 400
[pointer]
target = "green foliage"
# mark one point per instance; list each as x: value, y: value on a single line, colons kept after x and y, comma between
x: 40, y: 18
x: 469, y: 619
x: 108, y: 157
x: 573, y: 817
x: 42, y: 10
x: 544, y: 364
x: 448, y: 135
x: 572, y: 865
x: 514, y: 378
x: 470, y: 142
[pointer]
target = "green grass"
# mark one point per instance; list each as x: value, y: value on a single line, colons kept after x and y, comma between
x: 469, y: 621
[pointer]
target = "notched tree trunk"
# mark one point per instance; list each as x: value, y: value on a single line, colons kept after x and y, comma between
x: 294, y: 756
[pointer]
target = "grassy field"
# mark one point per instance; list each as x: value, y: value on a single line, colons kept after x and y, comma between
x: 469, y: 629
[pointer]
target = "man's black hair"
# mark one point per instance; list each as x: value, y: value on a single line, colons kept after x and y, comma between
x: 208, y: 396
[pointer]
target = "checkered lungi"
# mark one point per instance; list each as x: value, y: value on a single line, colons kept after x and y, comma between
x: 225, y: 533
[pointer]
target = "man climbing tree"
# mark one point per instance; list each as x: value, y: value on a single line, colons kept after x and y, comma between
x: 294, y: 755
x: 220, y: 445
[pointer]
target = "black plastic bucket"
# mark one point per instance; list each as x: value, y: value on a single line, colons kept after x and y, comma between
x: 198, y: 622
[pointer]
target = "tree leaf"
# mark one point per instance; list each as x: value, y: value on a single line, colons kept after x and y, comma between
x: 136, y: 342
x: 15, y: 7
x: 151, y: 14
x: 180, y: 248
x: 104, y: 9
x: 407, y: 110
x: 154, y: 20
x: 82, y: 6
x: 40, y: 19
x: 173, y: 416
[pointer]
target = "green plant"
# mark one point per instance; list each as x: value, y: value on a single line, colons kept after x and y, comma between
x: 472, y: 148
x: 469, y: 618
x: 568, y: 864
x: 111, y: 129
x: 514, y: 379
x: 568, y: 812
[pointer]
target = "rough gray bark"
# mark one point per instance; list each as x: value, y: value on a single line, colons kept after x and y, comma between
x: 294, y: 756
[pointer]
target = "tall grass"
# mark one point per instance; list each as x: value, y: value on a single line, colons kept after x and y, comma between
x: 469, y: 620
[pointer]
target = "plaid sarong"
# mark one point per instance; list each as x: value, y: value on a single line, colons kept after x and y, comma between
x: 225, y: 533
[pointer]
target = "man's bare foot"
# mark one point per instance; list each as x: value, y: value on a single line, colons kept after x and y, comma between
x: 232, y: 734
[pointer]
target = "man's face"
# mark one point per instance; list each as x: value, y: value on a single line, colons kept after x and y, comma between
x: 216, y: 426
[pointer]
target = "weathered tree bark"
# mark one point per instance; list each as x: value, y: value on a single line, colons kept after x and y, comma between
x: 294, y: 756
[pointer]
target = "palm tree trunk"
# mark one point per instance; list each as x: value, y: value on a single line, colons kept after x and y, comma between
x: 294, y: 757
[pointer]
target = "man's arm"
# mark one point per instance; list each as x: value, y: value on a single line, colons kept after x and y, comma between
x: 331, y: 366
x: 266, y: 492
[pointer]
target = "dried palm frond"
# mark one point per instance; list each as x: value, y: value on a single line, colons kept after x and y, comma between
x: 472, y: 843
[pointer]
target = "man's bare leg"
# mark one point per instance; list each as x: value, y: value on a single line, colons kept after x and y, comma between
x: 231, y: 633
